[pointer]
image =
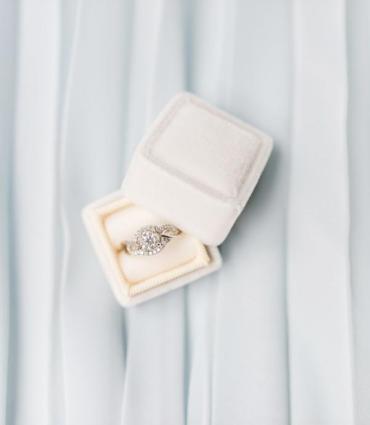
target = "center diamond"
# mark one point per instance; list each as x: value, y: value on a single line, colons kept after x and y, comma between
x: 150, y: 241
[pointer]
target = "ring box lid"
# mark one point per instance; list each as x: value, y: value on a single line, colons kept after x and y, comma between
x: 197, y: 167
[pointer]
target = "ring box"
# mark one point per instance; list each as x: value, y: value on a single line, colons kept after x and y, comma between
x: 195, y: 168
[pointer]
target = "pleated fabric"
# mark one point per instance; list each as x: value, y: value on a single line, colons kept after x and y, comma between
x: 8, y: 19
x: 280, y: 335
x: 32, y: 239
x: 318, y: 278
x: 358, y: 20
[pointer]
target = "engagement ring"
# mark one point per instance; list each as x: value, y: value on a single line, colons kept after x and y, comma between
x: 150, y: 240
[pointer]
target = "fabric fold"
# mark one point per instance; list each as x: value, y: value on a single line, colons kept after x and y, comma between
x: 8, y: 48
x: 250, y: 341
x: 154, y: 390
x: 93, y: 331
x: 33, y: 211
x: 358, y: 13
x: 319, y: 299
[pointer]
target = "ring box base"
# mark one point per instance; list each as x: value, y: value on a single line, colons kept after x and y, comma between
x: 135, y: 279
x: 195, y: 168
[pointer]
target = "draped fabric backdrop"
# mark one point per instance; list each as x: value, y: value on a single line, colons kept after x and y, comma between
x: 281, y: 335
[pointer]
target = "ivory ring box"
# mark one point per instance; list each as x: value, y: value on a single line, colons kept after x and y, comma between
x: 195, y: 168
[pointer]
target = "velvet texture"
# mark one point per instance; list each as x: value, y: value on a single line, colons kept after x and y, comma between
x: 197, y: 166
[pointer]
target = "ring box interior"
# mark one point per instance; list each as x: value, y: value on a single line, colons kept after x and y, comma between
x: 114, y: 219
x: 195, y: 168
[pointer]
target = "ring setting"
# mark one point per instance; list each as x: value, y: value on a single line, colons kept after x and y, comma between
x: 151, y: 239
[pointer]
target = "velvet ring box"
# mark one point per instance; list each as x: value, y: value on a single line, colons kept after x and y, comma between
x: 195, y: 168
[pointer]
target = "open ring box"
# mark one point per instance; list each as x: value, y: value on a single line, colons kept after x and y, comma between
x: 195, y: 168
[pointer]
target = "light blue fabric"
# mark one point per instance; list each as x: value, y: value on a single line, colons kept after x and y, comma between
x: 80, y: 82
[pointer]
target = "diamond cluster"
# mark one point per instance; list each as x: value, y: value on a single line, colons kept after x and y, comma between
x: 150, y: 240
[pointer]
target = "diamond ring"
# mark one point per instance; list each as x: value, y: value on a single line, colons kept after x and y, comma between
x: 150, y: 240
